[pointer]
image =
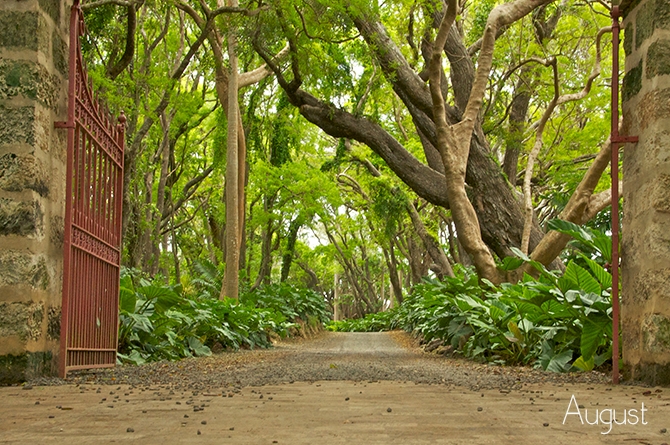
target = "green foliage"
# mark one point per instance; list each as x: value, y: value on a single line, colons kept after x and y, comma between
x: 380, y: 321
x: 159, y: 322
x: 556, y: 323
x: 293, y: 302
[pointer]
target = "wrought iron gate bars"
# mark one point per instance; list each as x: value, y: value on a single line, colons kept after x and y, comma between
x: 92, y: 234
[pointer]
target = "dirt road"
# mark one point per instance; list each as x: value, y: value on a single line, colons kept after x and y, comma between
x: 339, y: 389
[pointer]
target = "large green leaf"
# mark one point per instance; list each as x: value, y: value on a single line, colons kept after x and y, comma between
x: 197, y: 347
x: 164, y: 297
x: 603, y: 276
x: 583, y: 364
x: 127, y: 300
x: 597, y: 327
x: 581, y: 278
x: 558, y: 362
x: 597, y: 240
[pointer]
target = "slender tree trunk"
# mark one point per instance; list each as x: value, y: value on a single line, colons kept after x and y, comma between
x: 230, y: 287
x: 443, y: 268
x: 287, y: 258
x: 517, y: 124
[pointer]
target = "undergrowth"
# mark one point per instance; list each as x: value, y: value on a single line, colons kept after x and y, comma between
x: 558, y: 322
x: 161, y: 322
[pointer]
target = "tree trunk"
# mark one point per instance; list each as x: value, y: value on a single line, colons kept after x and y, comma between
x: 442, y: 266
x: 230, y: 287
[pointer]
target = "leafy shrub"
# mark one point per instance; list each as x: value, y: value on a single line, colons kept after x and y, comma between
x: 293, y: 302
x: 159, y: 322
x: 556, y: 322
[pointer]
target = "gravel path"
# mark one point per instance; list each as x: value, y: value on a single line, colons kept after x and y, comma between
x: 331, y: 356
x: 336, y: 389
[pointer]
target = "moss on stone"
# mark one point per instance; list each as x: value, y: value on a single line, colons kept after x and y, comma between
x: 19, y: 368
x: 21, y: 172
x: 662, y: 14
x: 19, y: 29
x: 20, y: 267
x: 17, y: 125
x: 20, y: 218
x: 658, y: 59
x: 52, y: 8
x: 60, y: 53
x: 655, y: 374
x: 628, y: 39
x: 30, y: 80
x: 632, y: 83
x: 644, y: 23
x: 626, y: 6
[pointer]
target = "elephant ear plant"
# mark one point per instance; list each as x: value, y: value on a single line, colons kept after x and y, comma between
x: 161, y: 322
x: 557, y: 322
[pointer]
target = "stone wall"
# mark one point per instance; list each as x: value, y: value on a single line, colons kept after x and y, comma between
x: 646, y: 175
x: 33, y: 94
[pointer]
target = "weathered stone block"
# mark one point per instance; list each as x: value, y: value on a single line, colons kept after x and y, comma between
x: 651, y: 373
x: 60, y: 53
x: 30, y: 80
x: 626, y: 6
x: 628, y: 39
x: 632, y: 82
x: 19, y: 368
x: 644, y: 23
x: 658, y: 59
x: 21, y: 267
x: 21, y: 218
x: 21, y: 172
x: 57, y: 235
x: 660, y: 198
x: 53, y: 323
x: 662, y: 14
x: 656, y: 334
x: 17, y: 125
x: 19, y: 29
x: 646, y: 285
x: 654, y: 105
x: 52, y: 8
x: 22, y: 319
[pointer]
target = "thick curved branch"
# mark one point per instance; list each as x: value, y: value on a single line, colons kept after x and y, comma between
x: 580, y: 209
x: 114, y: 69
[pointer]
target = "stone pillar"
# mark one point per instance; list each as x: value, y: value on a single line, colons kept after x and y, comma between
x: 33, y: 94
x: 646, y: 176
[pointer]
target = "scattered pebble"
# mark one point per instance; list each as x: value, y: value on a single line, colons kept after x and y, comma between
x: 130, y: 430
x: 388, y: 410
x: 479, y: 408
x: 545, y: 424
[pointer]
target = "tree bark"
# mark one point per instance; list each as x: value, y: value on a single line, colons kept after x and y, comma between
x: 443, y: 267
x: 230, y: 287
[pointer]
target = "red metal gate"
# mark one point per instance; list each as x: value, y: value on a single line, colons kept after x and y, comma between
x: 94, y: 194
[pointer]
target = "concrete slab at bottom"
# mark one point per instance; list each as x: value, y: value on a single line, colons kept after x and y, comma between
x: 335, y: 412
